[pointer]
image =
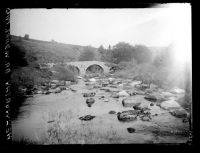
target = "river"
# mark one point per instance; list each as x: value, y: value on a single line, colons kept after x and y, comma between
x: 39, y: 112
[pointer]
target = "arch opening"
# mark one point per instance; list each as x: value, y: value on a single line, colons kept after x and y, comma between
x: 94, y: 69
x: 74, y: 69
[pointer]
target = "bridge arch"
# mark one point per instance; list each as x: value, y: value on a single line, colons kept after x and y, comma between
x: 91, y: 66
x: 74, y: 69
x: 94, y: 68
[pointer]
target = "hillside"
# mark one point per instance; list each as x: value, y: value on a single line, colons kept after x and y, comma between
x: 49, y: 52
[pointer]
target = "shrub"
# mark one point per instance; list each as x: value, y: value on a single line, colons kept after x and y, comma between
x: 64, y: 73
x: 26, y: 37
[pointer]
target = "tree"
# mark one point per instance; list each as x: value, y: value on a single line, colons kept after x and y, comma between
x: 87, y: 55
x: 101, y: 49
x: 122, y: 52
x: 103, y: 53
x: 142, y: 54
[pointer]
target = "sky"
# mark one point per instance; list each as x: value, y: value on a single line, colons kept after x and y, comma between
x: 149, y: 26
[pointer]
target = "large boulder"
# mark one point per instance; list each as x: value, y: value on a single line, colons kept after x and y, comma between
x: 151, y: 98
x: 170, y: 104
x: 123, y: 93
x: 177, y: 91
x: 167, y: 94
x: 180, y: 113
x: 127, y: 116
x: 130, y: 102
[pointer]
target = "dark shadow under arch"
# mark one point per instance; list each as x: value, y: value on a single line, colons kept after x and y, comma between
x: 94, y: 68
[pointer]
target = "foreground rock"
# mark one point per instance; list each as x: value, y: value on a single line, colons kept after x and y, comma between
x: 151, y: 98
x: 90, y: 101
x: 87, y: 117
x: 131, y: 130
x: 141, y: 109
x: 130, y: 102
x: 123, y: 93
x: 170, y: 105
x: 91, y: 94
x: 180, y: 113
x: 127, y: 116
x: 112, y: 112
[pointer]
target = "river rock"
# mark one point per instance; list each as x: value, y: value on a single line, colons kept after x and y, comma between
x: 180, y: 113
x: 90, y: 101
x: 170, y: 104
x: 145, y: 118
x: 127, y: 116
x: 105, y: 84
x: 87, y: 117
x: 134, y: 83
x: 112, y: 112
x: 167, y: 94
x: 151, y: 98
x: 177, y: 91
x: 79, y: 77
x: 130, y: 102
x: 112, y: 86
x: 132, y: 93
x: 114, y: 95
x: 57, y: 90
x: 62, y: 87
x: 139, y: 92
x: 151, y: 104
x: 92, y: 80
x: 91, y: 94
x: 53, y: 86
x: 55, y: 81
x: 106, y: 100
x: 123, y: 93
x: 131, y: 130
x: 111, y: 79
x: 39, y: 92
x: 96, y: 86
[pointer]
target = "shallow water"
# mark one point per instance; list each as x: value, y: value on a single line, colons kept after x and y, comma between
x: 32, y: 121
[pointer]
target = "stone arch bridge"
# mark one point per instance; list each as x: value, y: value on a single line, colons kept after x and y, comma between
x: 82, y: 66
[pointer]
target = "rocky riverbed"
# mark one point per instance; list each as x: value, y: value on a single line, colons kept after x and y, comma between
x: 102, y: 110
